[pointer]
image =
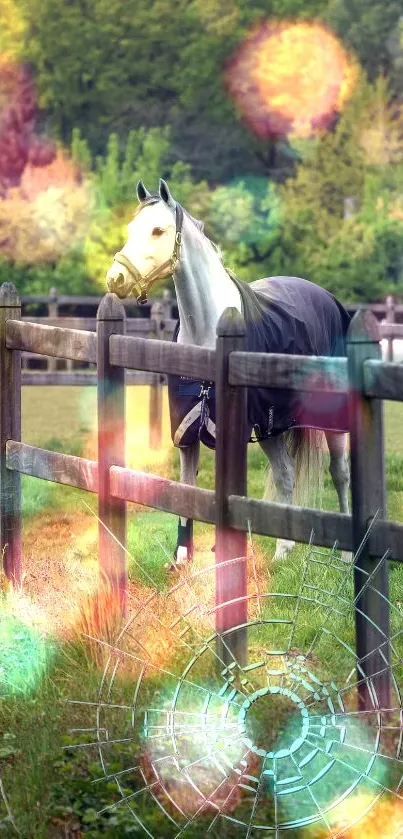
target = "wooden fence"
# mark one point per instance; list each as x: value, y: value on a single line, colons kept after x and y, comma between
x: 363, y: 375
x: 158, y: 320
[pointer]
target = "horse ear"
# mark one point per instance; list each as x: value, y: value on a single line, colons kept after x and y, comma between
x: 142, y: 192
x: 165, y: 193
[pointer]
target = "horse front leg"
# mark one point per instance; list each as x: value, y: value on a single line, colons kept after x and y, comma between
x: 189, y: 461
x: 283, y: 470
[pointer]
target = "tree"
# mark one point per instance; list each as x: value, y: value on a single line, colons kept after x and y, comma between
x: 46, y: 216
x: 12, y: 31
x: 368, y: 29
x: 358, y: 257
x: 19, y: 144
x: 108, y: 69
x: 244, y: 218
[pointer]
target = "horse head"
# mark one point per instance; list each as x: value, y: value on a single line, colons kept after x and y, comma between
x: 152, y: 248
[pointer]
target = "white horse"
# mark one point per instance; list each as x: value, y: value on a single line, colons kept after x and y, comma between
x: 163, y: 240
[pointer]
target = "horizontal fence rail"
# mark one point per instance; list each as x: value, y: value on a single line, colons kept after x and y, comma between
x: 302, y: 524
x: 163, y: 494
x: 389, y: 308
x: 298, y: 372
x: 383, y: 380
x: 135, y: 326
x: 51, y: 341
x: 82, y: 379
x: 162, y: 357
x: 55, y: 301
x: 265, y: 518
x: 52, y: 466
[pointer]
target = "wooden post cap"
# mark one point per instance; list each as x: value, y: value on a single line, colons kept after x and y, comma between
x: 110, y: 308
x: 231, y: 323
x: 9, y: 296
x: 363, y: 329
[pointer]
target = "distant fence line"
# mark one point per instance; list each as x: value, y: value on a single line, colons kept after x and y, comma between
x: 40, y: 369
x: 362, y: 375
x: 156, y: 319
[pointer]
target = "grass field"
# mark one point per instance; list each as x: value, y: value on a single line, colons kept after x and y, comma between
x: 46, y: 661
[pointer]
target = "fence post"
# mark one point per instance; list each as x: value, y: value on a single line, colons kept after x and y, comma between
x: 156, y: 389
x: 167, y: 303
x: 390, y: 318
x: 53, y: 307
x: 368, y: 491
x: 111, y: 320
x: 10, y: 429
x: 230, y: 478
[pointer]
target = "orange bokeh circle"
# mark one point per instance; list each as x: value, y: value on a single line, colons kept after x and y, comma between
x: 290, y: 79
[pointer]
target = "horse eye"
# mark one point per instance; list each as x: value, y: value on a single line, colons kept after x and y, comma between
x: 158, y: 231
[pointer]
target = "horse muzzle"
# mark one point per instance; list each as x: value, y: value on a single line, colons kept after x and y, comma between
x: 116, y: 284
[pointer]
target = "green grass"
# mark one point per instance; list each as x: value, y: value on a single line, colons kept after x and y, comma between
x: 49, y: 789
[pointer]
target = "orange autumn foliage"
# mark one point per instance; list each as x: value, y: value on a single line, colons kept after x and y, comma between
x: 47, y: 214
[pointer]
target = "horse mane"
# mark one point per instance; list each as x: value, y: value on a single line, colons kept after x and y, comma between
x: 154, y: 198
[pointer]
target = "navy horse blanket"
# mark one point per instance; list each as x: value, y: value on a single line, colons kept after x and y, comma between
x: 282, y: 315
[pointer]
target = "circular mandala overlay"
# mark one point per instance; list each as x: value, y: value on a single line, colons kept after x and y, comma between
x: 198, y: 744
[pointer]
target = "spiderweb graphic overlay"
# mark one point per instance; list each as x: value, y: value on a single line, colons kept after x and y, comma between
x: 6, y: 816
x: 276, y: 746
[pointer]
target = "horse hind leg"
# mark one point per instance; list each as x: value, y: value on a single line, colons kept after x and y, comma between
x: 339, y: 468
x: 189, y: 461
x: 283, y: 470
x: 339, y: 471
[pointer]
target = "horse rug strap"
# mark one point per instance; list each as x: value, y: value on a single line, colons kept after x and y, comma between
x: 195, y: 402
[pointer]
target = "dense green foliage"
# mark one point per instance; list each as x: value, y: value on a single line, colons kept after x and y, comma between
x: 131, y: 92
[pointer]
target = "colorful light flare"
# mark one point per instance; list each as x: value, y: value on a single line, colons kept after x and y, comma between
x: 198, y: 786
x: 359, y: 817
x: 290, y: 79
x: 24, y: 655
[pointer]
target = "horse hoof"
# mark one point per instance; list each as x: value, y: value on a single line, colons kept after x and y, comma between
x: 175, y: 565
x: 182, y: 556
x: 283, y: 548
x: 171, y: 567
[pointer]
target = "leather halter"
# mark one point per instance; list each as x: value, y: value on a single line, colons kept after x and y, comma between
x: 141, y: 284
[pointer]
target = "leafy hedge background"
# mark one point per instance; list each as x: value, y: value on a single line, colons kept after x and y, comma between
x: 97, y: 93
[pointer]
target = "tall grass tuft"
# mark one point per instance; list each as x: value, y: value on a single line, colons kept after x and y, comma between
x: 97, y: 623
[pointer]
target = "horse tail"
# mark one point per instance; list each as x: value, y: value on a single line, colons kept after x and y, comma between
x: 307, y: 448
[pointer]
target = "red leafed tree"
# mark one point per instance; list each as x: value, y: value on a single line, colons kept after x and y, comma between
x: 19, y: 145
